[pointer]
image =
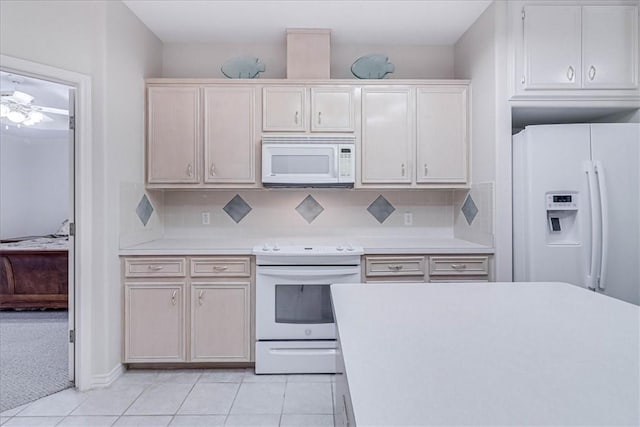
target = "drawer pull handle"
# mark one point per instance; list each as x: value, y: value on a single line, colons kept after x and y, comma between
x: 200, y: 297
x: 189, y: 170
x: 155, y: 267
x: 220, y: 267
x: 212, y: 170
x: 173, y: 297
x: 458, y: 266
x: 319, y: 117
x: 395, y: 267
x: 296, y: 117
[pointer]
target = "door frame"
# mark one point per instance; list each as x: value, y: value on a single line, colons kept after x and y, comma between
x: 80, y: 297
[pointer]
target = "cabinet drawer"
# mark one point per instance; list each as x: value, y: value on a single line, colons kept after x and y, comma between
x: 154, y: 267
x: 222, y: 267
x: 459, y: 266
x: 394, y: 266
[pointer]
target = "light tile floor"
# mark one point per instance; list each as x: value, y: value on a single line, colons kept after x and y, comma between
x: 206, y: 397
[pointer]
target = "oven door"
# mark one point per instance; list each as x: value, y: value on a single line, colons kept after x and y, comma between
x: 294, y: 302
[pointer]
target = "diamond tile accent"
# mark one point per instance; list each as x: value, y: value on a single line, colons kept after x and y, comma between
x: 144, y: 210
x: 469, y: 209
x: 381, y: 209
x: 309, y: 209
x: 237, y: 208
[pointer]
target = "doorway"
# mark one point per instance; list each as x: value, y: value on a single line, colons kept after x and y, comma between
x: 37, y: 237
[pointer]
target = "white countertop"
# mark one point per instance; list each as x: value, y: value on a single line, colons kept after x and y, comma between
x: 488, y: 354
x: 244, y: 246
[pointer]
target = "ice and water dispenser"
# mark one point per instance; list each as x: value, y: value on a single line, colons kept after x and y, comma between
x: 562, y: 216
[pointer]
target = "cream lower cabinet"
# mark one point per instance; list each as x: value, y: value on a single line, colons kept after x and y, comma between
x: 155, y: 322
x: 459, y: 268
x: 200, y: 314
x: 220, y: 329
x: 426, y: 268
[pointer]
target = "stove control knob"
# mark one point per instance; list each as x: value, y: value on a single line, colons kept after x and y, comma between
x: 340, y: 248
x: 349, y: 247
x: 276, y: 247
x: 307, y: 332
x: 265, y: 248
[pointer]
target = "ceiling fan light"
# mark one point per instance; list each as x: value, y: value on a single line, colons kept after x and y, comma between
x: 4, y: 110
x: 35, y: 117
x: 16, y: 116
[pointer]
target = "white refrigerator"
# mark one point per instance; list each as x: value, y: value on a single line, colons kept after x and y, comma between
x: 576, y: 206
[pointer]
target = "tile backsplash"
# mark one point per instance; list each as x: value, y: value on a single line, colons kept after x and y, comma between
x: 295, y: 213
x: 474, y: 213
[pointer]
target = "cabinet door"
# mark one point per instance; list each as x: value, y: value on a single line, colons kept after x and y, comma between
x: 552, y: 56
x: 154, y: 322
x: 173, y: 135
x: 386, y: 135
x: 610, y: 47
x: 442, y: 135
x: 220, y: 323
x: 283, y: 109
x: 229, y: 134
x: 332, y: 110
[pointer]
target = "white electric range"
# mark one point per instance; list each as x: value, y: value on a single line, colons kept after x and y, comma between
x: 295, y: 328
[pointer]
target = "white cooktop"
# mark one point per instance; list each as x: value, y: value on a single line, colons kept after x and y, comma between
x: 276, y: 249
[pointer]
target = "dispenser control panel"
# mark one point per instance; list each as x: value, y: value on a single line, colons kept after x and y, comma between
x: 560, y: 202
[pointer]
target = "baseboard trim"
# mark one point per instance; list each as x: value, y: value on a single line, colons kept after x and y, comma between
x: 105, y: 380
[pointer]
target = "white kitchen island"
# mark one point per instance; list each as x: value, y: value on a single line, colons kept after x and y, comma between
x: 485, y: 354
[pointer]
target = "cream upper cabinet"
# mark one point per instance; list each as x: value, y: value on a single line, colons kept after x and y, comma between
x: 220, y: 329
x: 568, y: 46
x: 154, y: 318
x: 174, y: 136
x: 229, y: 134
x: 302, y: 109
x: 284, y: 109
x: 442, y: 138
x: 387, y: 136
x: 332, y: 109
x: 610, y: 47
x: 552, y: 57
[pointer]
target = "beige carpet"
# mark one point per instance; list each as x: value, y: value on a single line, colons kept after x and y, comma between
x: 33, y: 356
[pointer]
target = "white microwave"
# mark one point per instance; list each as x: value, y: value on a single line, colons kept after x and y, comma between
x: 308, y: 160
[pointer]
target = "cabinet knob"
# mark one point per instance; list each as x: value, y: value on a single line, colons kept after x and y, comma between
x: 189, y: 170
x: 212, y: 170
x: 570, y: 73
x: 296, y: 118
x: 403, y: 169
x: 426, y: 170
x: 200, y: 296
x: 319, y: 117
x: 173, y: 297
x: 592, y: 72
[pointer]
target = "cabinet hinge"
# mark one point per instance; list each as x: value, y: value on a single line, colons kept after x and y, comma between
x: 72, y: 122
x: 523, y: 13
x: 72, y: 229
x: 72, y: 336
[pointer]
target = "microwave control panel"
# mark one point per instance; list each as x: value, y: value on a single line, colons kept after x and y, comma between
x: 346, y: 161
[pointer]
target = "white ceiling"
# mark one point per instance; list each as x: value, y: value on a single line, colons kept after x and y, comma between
x: 418, y: 22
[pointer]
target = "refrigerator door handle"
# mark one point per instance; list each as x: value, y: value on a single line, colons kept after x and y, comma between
x: 604, y: 215
x: 591, y: 273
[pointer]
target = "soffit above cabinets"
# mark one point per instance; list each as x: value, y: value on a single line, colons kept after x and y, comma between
x: 399, y: 22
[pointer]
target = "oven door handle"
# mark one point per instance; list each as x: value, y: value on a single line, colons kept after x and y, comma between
x: 307, y: 351
x: 322, y: 273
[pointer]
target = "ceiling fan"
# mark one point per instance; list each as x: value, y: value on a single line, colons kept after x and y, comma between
x: 18, y: 108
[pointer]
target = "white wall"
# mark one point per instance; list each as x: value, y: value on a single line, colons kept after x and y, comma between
x: 204, y: 60
x: 104, y: 40
x: 34, y: 182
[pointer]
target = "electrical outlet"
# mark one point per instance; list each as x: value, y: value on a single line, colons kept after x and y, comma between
x: 206, y: 218
x: 408, y: 218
